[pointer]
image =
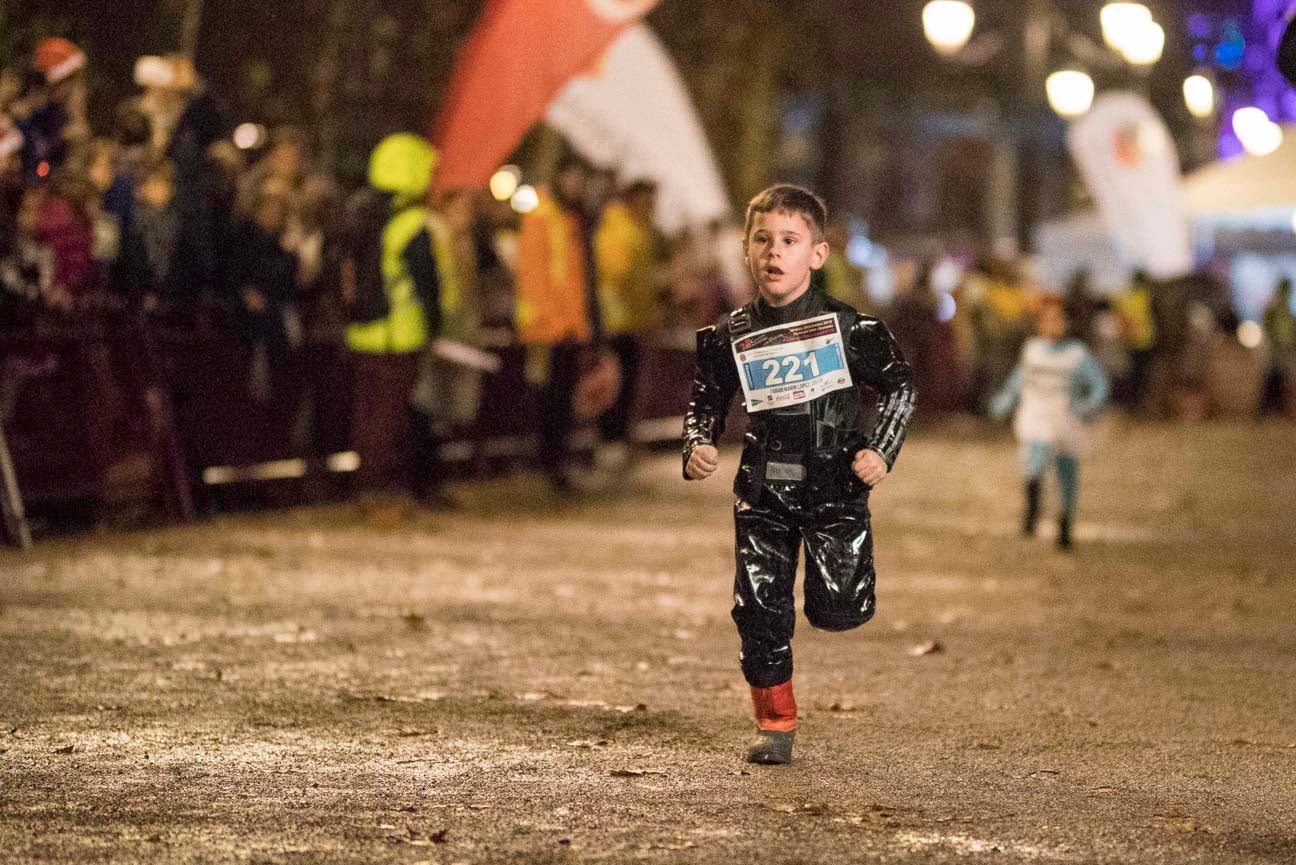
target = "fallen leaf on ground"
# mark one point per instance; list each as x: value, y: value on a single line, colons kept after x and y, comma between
x: 931, y: 647
x: 635, y: 773
x: 588, y: 743
x: 379, y: 698
x: 812, y: 809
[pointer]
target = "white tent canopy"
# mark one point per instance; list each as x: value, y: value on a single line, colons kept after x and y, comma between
x: 1258, y: 185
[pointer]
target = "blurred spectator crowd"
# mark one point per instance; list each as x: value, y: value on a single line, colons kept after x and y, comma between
x: 240, y: 235
x: 1172, y: 348
x: 166, y: 215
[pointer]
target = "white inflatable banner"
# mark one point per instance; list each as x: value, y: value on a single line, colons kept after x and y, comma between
x: 1129, y: 164
x: 632, y: 115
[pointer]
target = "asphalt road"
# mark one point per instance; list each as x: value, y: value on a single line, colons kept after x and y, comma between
x: 530, y: 681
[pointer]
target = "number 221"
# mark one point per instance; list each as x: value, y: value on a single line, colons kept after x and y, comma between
x: 792, y: 367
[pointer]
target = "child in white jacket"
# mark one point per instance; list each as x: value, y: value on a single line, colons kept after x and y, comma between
x: 1057, y: 388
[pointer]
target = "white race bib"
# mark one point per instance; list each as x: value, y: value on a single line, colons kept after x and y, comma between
x: 791, y: 363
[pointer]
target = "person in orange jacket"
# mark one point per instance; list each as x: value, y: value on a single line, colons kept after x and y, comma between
x: 557, y: 317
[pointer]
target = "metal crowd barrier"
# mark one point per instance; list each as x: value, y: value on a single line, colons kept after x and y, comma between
x: 116, y: 406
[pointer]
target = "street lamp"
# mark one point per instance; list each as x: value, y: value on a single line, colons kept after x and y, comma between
x: 1199, y: 96
x: 504, y: 183
x: 1120, y: 21
x: 1259, y: 135
x: 1070, y: 92
x: 948, y: 24
x: 1144, y: 43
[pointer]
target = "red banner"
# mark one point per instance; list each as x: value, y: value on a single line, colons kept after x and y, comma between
x: 517, y: 60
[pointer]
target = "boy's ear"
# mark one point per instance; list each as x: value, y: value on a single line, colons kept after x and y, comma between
x: 819, y: 255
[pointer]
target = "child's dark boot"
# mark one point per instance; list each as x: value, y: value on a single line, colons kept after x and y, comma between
x: 771, y: 748
x: 1031, y: 517
x: 1064, y: 533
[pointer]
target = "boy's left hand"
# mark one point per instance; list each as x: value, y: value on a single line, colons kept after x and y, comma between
x: 870, y: 467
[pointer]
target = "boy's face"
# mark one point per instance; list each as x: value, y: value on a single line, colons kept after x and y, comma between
x: 1052, y: 322
x: 781, y: 252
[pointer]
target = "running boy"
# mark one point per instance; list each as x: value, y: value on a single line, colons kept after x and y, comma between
x: 1056, y: 388
x: 806, y: 468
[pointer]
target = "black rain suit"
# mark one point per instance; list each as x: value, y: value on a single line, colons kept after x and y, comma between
x: 795, y: 485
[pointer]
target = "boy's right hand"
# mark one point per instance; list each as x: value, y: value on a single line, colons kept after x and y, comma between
x: 702, y: 462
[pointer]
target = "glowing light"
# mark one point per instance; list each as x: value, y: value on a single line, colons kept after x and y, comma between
x: 1259, y: 135
x: 504, y: 183
x: 946, y: 276
x: 860, y: 251
x: 1070, y: 92
x: 1199, y: 96
x: 946, y: 306
x: 1144, y: 44
x: 1120, y: 20
x: 249, y: 136
x: 1231, y: 49
x: 1250, y: 334
x: 948, y: 24
x: 525, y: 199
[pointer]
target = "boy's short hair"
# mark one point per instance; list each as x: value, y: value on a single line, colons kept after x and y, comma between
x: 789, y: 198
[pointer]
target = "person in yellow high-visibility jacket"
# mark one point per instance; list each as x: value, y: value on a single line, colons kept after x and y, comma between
x: 627, y: 292
x: 556, y: 317
x: 1133, y: 307
x: 391, y: 285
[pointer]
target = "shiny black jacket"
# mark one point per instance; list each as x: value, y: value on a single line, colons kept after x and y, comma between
x: 810, y: 446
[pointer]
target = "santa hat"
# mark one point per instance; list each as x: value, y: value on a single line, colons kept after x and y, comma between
x: 57, y: 58
x: 11, y: 138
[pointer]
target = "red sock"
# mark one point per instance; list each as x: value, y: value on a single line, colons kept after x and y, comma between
x: 775, y: 707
